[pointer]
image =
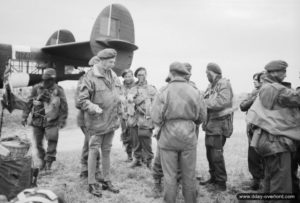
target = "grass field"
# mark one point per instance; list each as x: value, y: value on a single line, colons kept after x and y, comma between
x: 134, y: 184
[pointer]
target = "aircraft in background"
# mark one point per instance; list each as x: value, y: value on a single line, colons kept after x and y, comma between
x: 113, y: 28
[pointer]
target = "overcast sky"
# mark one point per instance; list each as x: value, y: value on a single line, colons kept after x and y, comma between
x: 239, y: 35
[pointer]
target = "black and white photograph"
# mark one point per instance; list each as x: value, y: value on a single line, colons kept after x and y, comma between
x: 135, y: 101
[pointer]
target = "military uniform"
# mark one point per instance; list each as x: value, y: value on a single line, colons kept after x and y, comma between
x: 157, y: 171
x: 255, y: 161
x: 140, y: 123
x: 276, y: 113
x: 177, y: 109
x: 218, y: 98
x: 127, y: 109
x: 49, y: 110
x: 85, y: 147
x: 99, y: 98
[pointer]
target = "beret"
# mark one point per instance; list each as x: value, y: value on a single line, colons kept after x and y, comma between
x: 277, y: 65
x: 107, y: 53
x: 188, y: 66
x: 139, y: 69
x: 214, y: 68
x: 125, y: 72
x: 94, y: 60
x: 179, y: 68
x: 49, y: 73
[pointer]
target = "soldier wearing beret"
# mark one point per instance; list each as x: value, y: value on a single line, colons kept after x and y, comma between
x: 255, y: 161
x: 127, y: 110
x: 276, y: 114
x: 177, y: 110
x: 98, y: 97
x: 48, y: 106
x: 219, y: 100
x: 140, y: 123
x: 80, y: 121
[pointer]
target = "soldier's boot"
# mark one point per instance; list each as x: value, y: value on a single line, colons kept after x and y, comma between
x: 220, y: 186
x: 107, y: 185
x: 136, y: 163
x: 208, y: 182
x: 95, y: 190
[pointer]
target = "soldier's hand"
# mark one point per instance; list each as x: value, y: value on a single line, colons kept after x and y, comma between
x: 98, y: 110
x: 36, y: 103
x: 24, y: 122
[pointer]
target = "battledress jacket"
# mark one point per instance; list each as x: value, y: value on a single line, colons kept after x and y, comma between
x: 276, y: 112
x: 101, y: 88
x: 219, y: 101
x: 52, y: 109
x: 143, y: 96
x: 178, y: 108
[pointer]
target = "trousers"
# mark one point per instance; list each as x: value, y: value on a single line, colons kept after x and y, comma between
x: 186, y: 161
x: 85, y: 151
x: 142, y: 145
x: 39, y: 133
x: 104, y: 142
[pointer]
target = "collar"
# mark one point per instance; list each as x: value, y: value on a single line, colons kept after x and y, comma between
x: 98, y: 71
x: 178, y: 79
x: 270, y: 79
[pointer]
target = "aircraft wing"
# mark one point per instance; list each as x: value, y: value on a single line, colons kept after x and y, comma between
x: 73, y: 50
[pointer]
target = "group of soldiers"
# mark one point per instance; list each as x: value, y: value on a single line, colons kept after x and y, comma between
x: 173, y: 115
x: 273, y: 117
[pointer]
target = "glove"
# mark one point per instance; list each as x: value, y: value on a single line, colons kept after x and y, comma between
x: 24, y: 122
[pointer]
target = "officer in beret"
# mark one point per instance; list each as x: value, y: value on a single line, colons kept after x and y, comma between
x: 255, y: 161
x: 276, y: 114
x: 177, y: 109
x: 98, y: 97
x: 127, y: 110
x: 219, y: 101
x: 140, y: 123
x: 48, y: 106
x: 80, y: 121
